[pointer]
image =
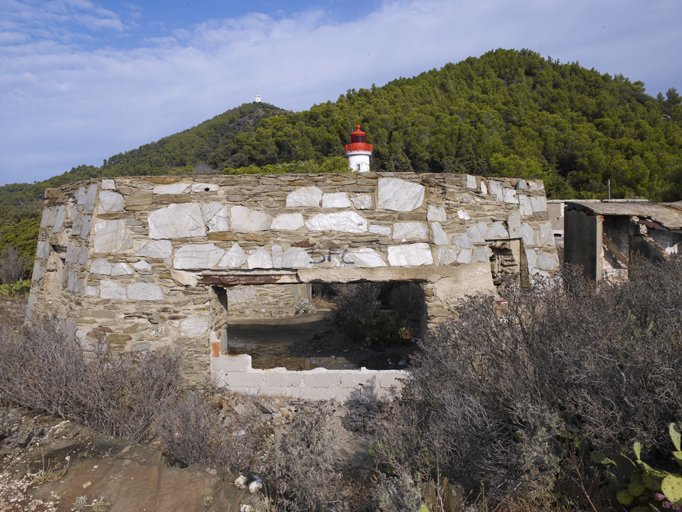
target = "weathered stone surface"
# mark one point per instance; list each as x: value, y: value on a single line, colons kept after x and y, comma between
x: 522, y: 185
x: 112, y: 237
x: 525, y: 208
x: 182, y: 220
x: 197, y: 256
x: 412, y: 255
x: 85, y: 226
x: 184, y: 278
x: 439, y: 236
x: 145, y: 291
x: 496, y: 231
x: 462, y: 241
x: 464, y: 256
x: 193, y: 327
x: 510, y: 196
x: 347, y: 222
x: 471, y: 181
x: 59, y: 219
x: 247, y: 220
x: 276, y: 256
x: 295, y: 257
x: 536, y: 185
x: 546, y: 234
x: 496, y: 190
x: 477, y: 232
x: 514, y: 225
x: 480, y: 254
x: 538, y: 203
x: 288, y: 222
x: 121, y: 269
x: 112, y: 290
x: 160, y: 249
x: 110, y: 202
x: 399, y: 195
x: 446, y: 256
x: 362, y: 201
x: 304, y: 196
x: 259, y: 259
x: 364, y: 258
x: 174, y: 188
x: 92, y: 291
x: 484, y: 188
x: 90, y: 198
x: 380, y: 230
x: 108, y: 185
x: 436, y: 214
x: 100, y: 266
x: 43, y: 250
x: 234, y: 258
x: 335, y: 200
x: 530, y: 236
x: 139, y: 200
x: 548, y: 261
x: 205, y: 187
x: 410, y: 231
x: 462, y: 214
x: 215, y: 217
x: 142, y: 266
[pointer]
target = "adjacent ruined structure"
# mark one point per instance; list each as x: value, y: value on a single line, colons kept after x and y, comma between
x: 147, y: 261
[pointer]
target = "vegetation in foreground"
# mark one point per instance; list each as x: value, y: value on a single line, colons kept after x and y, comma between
x: 512, y: 408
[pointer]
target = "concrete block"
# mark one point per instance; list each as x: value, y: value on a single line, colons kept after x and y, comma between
x: 283, y: 379
x: 317, y: 379
x: 238, y: 363
x: 252, y: 379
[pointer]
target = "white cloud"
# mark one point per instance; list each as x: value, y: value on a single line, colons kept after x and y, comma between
x: 67, y: 89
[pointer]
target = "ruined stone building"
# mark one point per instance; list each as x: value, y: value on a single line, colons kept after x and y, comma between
x: 148, y: 261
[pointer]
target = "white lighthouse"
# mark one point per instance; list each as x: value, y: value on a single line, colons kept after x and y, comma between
x: 358, y: 151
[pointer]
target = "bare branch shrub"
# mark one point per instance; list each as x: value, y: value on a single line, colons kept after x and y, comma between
x: 121, y: 396
x: 13, y: 265
x: 498, y: 392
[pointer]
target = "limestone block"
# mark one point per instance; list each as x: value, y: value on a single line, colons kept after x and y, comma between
x: 100, y: 266
x: 276, y: 256
x: 83, y: 254
x: 412, y: 255
x: 335, y: 200
x: 347, y: 222
x: 364, y: 258
x: 462, y: 214
x: 399, y: 195
x: 436, y: 214
x: 184, y: 278
x: 236, y: 296
x: 296, y: 257
x: 496, y: 190
x: 173, y: 188
x: 197, y: 256
x: 539, y: 203
x: 177, y: 220
x: 59, y: 219
x: 477, y: 232
x: 525, y: 208
x: 410, y: 231
x: 47, y: 220
x: 546, y: 234
x: 247, y: 220
x: 287, y: 222
x: 161, y: 249
x: 110, y: 202
x: 514, y: 225
x: 510, y: 196
x: 464, y: 256
x: 462, y: 241
x: 90, y: 198
x: 43, y: 250
x: 37, y: 270
x: 111, y: 237
x: 484, y: 188
x: 92, y: 291
x: 108, y: 185
x: 205, y: 187
x: 142, y: 265
x: 193, y: 327
x: 259, y: 259
x: 234, y: 258
x: 85, y: 226
x: 122, y: 269
x: 380, y: 230
x: 530, y: 236
x: 439, y: 236
x: 522, y: 185
x: 536, y: 185
x: 362, y: 201
x: 480, y: 254
x: 304, y: 196
x: 531, y: 260
x: 145, y: 291
x: 471, y: 181
x: 215, y: 216
x: 446, y: 256
x: 112, y: 290
x: 548, y: 261
x: 496, y: 231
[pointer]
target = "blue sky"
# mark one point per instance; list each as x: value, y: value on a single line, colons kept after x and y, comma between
x: 82, y: 80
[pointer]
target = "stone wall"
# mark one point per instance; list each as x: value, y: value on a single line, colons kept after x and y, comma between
x: 139, y: 261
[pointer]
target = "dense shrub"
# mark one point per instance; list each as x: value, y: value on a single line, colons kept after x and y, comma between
x: 505, y: 394
x: 121, y: 396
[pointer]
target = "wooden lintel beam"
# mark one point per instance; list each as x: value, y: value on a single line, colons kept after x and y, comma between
x: 234, y: 280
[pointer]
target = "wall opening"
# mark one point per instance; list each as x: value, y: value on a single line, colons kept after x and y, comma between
x: 342, y: 326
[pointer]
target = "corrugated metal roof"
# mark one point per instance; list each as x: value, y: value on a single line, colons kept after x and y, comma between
x: 668, y: 215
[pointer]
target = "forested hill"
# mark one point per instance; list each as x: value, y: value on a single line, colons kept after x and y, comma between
x: 507, y: 113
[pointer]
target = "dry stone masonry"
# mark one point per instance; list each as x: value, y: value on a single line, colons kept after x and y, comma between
x: 150, y: 261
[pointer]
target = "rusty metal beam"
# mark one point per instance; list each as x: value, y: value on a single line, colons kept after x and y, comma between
x: 244, y: 279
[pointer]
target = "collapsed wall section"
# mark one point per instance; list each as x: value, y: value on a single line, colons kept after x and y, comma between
x: 141, y: 262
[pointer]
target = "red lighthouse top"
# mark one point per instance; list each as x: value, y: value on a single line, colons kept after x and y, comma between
x: 358, y: 141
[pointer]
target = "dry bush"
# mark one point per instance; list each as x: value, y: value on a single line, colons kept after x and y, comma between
x: 121, y: 396
x: 502, y: 395
x: 13, y: 265
x: 226, y: 430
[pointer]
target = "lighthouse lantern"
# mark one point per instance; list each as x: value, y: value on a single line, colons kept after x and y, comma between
x: 358, y: 151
